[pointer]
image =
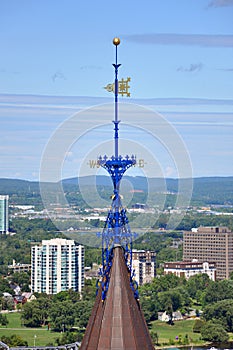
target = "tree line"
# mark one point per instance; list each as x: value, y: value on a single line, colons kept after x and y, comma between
x: 63, y: 312
x: 68, y: 312
x: 212, y: 300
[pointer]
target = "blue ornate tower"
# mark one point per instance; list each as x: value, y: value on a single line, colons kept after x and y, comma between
x: 116, y: 231
x: 117, y: 321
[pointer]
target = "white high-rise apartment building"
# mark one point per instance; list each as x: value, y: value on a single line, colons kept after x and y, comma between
x: 57, y: 265
x: 4, y: 219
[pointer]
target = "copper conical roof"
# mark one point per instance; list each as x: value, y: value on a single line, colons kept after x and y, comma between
x: 118, y: 322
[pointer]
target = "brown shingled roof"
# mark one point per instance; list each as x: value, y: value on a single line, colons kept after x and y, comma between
x: 117, y: 322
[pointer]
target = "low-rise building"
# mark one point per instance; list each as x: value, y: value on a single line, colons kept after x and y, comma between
x: 188, y: 269
x: 17, y: 267
x: 164, y: 317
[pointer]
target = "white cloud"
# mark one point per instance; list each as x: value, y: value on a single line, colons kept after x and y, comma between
x: 194, y: 67
x: 169, y: 171
x: 58, y: 75
x: 220, y: 3
x: 202, y: 40
x: 25, y: 134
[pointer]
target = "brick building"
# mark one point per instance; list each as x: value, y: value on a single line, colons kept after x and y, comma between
x: 212, y: 244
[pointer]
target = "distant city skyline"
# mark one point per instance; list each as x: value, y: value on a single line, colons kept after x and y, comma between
x: 56, y: 59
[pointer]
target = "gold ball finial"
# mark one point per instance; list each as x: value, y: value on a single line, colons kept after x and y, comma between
x: 116, y: 41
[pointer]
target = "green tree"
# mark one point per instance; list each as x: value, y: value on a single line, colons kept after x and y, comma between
x: 185, y: 298
x: 186, y: 339
x: 7, y: 303
x: 149, y: 302
x: 22, y: 279
x: 217, y: 291
x: 62, y: 315
x: 170, y: 299
x: 150, y: 307
x: 155, y: 337
x: 14, y: 340
x: 198, y: 324
x: 222, y: 311
x: 32, y: 314
x: 92, y: 255
x: 66, y: 295
x: 82, y: 313
x: 166, y: 282
x: 4, y: 286
x: 3, y: 320
x: 214, y: 332
x: 18, y: 247
x: 43, y: 304
x: 89, y: 290
x: 169, y: 310
x: 70, y: 337
x: 197, y: 283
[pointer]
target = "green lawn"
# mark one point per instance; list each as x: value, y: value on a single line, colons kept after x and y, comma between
x: 167, y: 334
x: 41, y: 336
x: 14, y: 320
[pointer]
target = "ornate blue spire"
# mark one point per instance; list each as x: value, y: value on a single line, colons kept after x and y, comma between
x: 116, y: 230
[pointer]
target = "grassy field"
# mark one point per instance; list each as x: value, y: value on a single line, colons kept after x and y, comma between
x: 167, y: 335
x: 41, y: 336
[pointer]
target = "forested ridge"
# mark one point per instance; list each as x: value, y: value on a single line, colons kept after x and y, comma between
x: 206, y: 190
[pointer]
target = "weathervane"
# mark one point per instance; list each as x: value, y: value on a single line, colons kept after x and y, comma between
x: 119, y: 87
x: 116, y: 231
x: 123, y: 87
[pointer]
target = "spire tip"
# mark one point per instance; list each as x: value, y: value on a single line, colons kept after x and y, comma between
x: 116, y: 41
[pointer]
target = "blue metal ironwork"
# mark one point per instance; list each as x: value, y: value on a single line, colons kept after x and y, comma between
x: 116, y: 230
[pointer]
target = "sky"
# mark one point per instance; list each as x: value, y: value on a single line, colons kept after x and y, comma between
x: 56, y: 59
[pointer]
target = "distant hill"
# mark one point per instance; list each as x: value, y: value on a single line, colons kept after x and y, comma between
x: 138, y: 182
x: 13, y: 186
x: 215, y: 190
x: 206, y: 190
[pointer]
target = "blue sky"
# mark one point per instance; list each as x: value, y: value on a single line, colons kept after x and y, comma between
x: 56, y: 58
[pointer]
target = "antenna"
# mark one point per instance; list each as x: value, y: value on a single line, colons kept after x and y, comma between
x: 116, y: 42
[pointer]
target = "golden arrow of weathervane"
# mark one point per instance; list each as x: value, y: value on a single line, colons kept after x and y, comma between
x: 110, y: 87
x: 123, y: 87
